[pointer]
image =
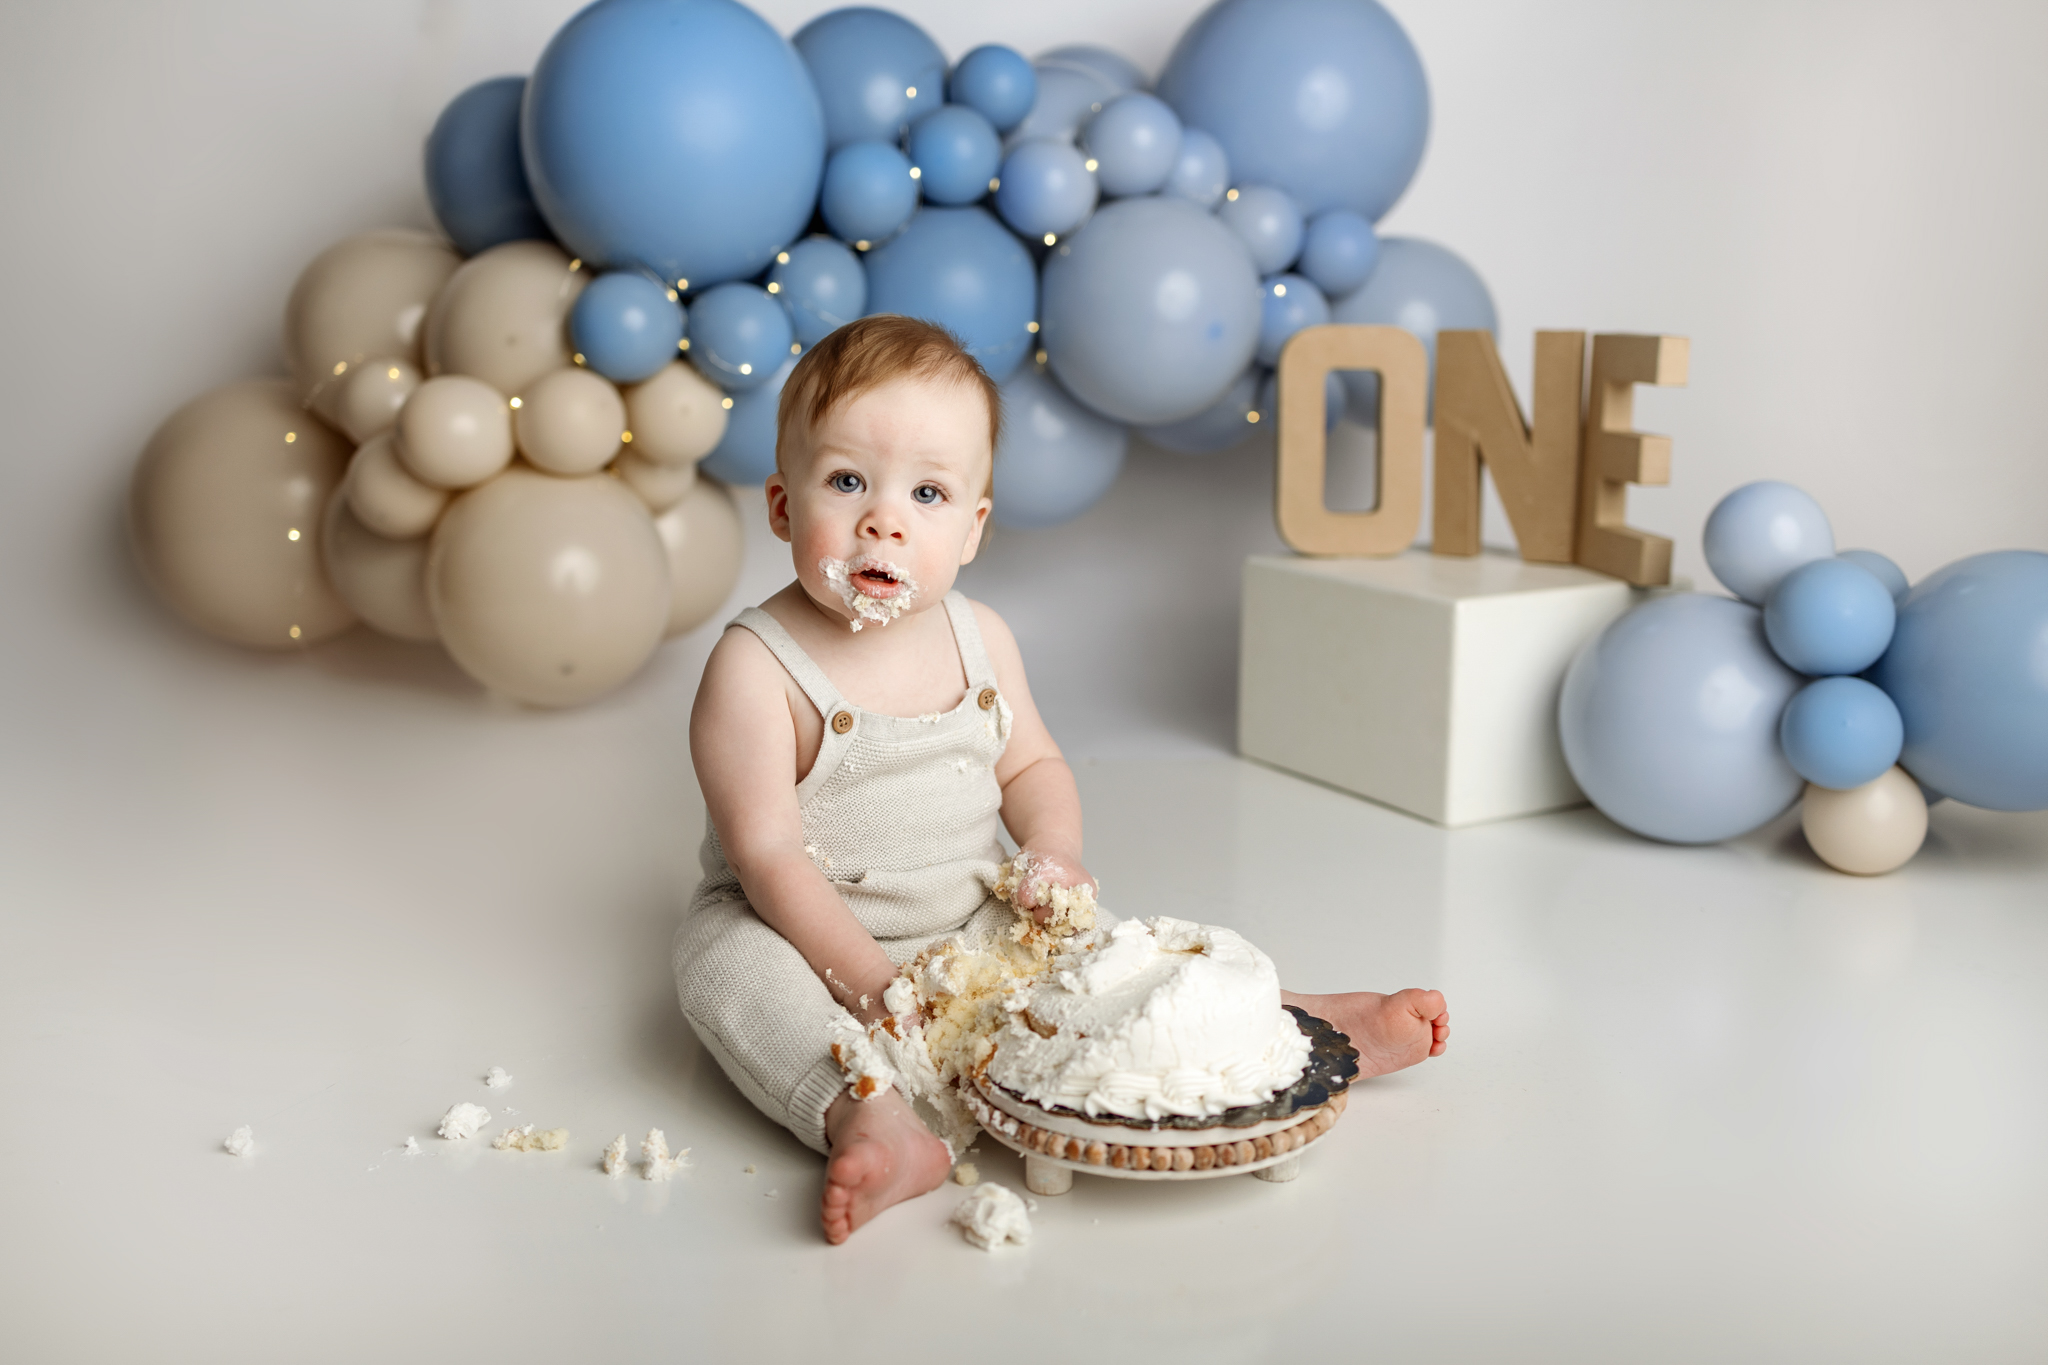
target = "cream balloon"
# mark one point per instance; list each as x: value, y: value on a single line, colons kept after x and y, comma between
x: 677, y: 417
x: 384, y: 581
x: 390, y: 501
x: 366, y: 400
x: 660, y: 486
x: 1869, y: 829
x: 570, y: 422
x: 705, y: 547
x: 504, y: 317
x: 362, y: 298
x: 455, y: 432
x: 224, y: 512
x: 551, y: 590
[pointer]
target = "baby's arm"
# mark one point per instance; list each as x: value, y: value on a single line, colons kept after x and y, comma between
x: 743, y: 744
x: 1041, y: 805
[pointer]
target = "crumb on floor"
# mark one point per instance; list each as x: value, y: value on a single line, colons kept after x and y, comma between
x: 463, y: 1120
x: 497, y: 1076
x: 240, y: 1142
x: 966, y: 1173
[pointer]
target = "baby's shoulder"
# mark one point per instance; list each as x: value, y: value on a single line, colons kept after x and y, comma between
x: 996, y: 638
x: 740, y: 665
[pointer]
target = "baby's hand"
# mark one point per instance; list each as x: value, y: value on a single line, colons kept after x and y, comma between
x: 1039, y: 869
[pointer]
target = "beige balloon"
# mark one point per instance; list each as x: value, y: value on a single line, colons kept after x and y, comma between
x: 570, y: 422
x: 504, y: 316
x: 224, y: 513
x: 362, y: 298
x: 366, y: 400
x: 1867, y: 830
x: 660, y: 486
x: 455, y: 432
x: 676, y: 417
x: 390, y: 501
x: 706, y: 548
x: 384, y: 581
x: 551, y: 590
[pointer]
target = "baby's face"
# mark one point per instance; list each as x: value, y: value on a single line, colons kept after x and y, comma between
x: 882, y: 502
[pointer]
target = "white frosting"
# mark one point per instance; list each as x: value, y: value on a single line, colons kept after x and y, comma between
x: 497, y: 1076
x: 412, y: 1146
x: 615, y: 1157
x: 463, y: 1121
x: 1163, y: 1017
x: 239, y: 1142
x: 991, y: 1216
x: 844, y: 577
x: 659, y: 1165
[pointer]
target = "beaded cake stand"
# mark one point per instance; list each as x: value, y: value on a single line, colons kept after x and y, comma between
x: 1265, y: 1139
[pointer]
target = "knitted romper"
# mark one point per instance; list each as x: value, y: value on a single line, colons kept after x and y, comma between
x: 900, y: 813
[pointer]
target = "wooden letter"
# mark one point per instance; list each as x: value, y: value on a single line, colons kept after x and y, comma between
x: 1615, y: 456
x: 1305, y: 522
x: 1537, y: 471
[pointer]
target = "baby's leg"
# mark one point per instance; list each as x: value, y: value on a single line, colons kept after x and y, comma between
x: 1389, y: 1031
x: 882, y: 1154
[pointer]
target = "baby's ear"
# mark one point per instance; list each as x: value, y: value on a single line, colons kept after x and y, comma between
x: 777, y: 489
x: 979, y: 533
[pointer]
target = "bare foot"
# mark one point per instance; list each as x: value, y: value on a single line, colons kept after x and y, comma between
x: 882, y: 1154
x: 1389, y: 1031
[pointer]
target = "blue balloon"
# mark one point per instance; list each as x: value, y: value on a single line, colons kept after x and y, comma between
x: 1056, y: 458
x: 876, y: 72
x: 1324, y: 98
x: 1068, y: 96
x: 1419, y: 286
x: 996, y: 82
x: 1333, y: 399
x: 1669, y: 719
x: 1201, y: 172
x: 745, y: 456
x: 1339, y: 251
x: 1112, y: 68
x: 1886, y: 572
x: 1269, y: 223
x: 1135, y: 143
x: 960, y: 269
x: 684, y: 139
x: 1761, y: 532
x: 626, y: 326
x: 1841, y: 733
x: 739, y: 336
x: 822, y: 284
x: 475, y: 178
x: 1045, y: 188
x: 1968, y: 667
x: 869, y: 193
x: 1151, y: 310
x: 1829, y: 617
x: 1228, y: 421
x: 1290, y: 303
x: 957, y: 153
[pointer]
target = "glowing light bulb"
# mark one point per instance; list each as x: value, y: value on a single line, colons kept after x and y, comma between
x: 1251, y: 417
x: 292, y: 534
x: 1279, y: 291
x: 746, y: 367
x: 1051, y: 237
x: 576, y: 264
x: 341, y: 367
x: 860, y: 246
x: 295, y: 632
x: 672, y: 296
x: 796, y: 348
x: 774, y: 288
x: 1041, y: 355
x: 682, y: 284
x: 683, y: 345
x: 910, y: 92
x: 290, y: 436
x: 782, y: 258
x: 725, y: 402
x: 917, y: 173
x: 995, y: 183
x: 517, y: 401
x: 1091, y: 163
x: 625, y: 438
x: 1231, y: 195
x: 578, y: 358
x: 391, y: 373
x: 1031, y: 327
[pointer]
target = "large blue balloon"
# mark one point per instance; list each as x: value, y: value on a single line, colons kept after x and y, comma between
x: 1201, y: 173
x: 626, y: 326
x: 1761, y: 532
x: 1045, y: 188
x: 1289, y: 304
x: 1135, y: 143
x: 957, y: 153
x: 822, y: 284
x: 678, y: 136
x: 1419, y: 286
x: 475, y: 179
x: 1231, y: 419
x: 1841, y: 733
x: 960, y: 269
x: 1056, y: 459
x: 1113, y: 68
x: 739, y: 336
x: 877, y: 73
x: 1269, y: 223
x: 1068, y: 96
x: 1829, y: 617
x: 1324, y: 98
x: 1968, y: 667
x: 997, y: 82
x: 1670, y: 720
x: 1339, y: 251
x: 745, y: 455
x: 1151, y: 310
x: 869, y: 192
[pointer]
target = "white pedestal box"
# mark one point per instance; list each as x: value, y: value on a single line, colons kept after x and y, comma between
x: 1425, y: 682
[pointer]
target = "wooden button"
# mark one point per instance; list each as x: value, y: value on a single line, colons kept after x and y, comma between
x: 842, y: 722
x: 987, y: 698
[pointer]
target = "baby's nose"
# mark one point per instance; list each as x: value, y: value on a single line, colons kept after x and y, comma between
x: 881, y: 526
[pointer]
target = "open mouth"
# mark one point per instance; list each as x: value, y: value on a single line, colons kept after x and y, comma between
x: 877, y: 581
x: 874, y: 590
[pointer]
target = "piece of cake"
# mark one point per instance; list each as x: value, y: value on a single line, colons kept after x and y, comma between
x: 992, y: 1215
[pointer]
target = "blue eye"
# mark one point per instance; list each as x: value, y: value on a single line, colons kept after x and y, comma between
x: 846, y: 482
x: 928, y: 493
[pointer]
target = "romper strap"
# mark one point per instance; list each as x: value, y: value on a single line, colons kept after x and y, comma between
x: 967, y: 634
x: 790, y: 654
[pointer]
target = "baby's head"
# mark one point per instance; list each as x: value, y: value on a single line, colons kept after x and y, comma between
x: 884, y: 463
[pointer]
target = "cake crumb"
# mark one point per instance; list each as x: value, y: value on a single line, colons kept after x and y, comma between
x: 615, y: 1157
x: 240, y: 1142
x: 966, y: 1173
x: 748, y: 1171
x: 497, y: 1076
x: 412, y: 1146
x: 991, y: 1216
x: 524, y: 1139
x: 462, y: 1121
x: 659, y: 1165
x: 772, y: 1194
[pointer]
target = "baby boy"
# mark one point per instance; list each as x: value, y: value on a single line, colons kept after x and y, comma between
x: 860, y: 737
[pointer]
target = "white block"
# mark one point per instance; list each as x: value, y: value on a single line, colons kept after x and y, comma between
x: 1426, y: 682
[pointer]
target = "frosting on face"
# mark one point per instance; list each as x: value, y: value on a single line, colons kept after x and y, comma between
x: 873, y: 589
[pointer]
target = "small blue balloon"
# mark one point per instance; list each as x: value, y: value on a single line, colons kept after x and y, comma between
x: 1841, y: 733
x: 997, y: 82
x: 1151, y: 311
x: 1421, y: 287
x: 869, y: 193
x: 1333, y: 399
x: 1230, y: 420
x: 960, y: 269
x: 1056, y: 458
x: 957, y: 153
x: 626, y: 326
x: 1068, y: 96
x: 1289, y: 304
x: 1201, y: 172
x: 475, y: 178
x: 1268, y: 222
x: 1339, y: 251
x: 1045, y: 188
x: 1112, y: 68
x: 1968, y: 667
x: 822, y: 284
x: 876, y: 72
x: 1761, y: 532
x: 1134, y: 142
x: 684, y: 139
x: 745, y: 456
x: 1324, y: 98
x: 739, y: 336
x: 1829, y: 617
x: 1886, y: 572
